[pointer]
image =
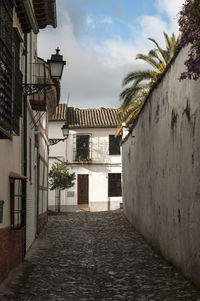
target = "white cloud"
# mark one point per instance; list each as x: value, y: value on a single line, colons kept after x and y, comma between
x: 94, y: 72
x: 171, y: 7
x: 106, y: 20
x: 95, y: 69
x: 153, y: 26
x: 90, y: 21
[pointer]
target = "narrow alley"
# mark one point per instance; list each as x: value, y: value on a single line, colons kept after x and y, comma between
x: 95, y: 256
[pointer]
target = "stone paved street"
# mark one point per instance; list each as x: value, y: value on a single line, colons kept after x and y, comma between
x: 95, y: 256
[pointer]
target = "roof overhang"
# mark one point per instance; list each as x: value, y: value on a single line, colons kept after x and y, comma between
x: 14, y: 175
x: 36, y: 14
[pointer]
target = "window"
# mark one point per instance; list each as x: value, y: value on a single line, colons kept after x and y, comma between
x: 82, y: 148
x: 6, y: 7
x: 16, y: 201
x: 16, y: 83
x: 114, y: 145
x: 114, y: 184
x: 10, y: 74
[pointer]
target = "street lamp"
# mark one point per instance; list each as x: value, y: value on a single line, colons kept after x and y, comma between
x: 56, y: 65
x: 65, y: 131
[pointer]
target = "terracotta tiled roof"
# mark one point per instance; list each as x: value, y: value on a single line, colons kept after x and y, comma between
x: 86, y: 118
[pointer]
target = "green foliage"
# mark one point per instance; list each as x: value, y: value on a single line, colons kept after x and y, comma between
x: 138, y: 84
x: 189, y: 25
x: 158, y: 59
x: 59, y: 177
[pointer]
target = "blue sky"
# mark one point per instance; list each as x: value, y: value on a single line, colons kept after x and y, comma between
x: 100, y: 39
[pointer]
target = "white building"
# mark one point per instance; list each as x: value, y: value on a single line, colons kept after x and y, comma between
x: 93, y: 153
x: 23, y: 128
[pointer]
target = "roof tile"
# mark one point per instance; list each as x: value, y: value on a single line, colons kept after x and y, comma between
x: 86, y: 118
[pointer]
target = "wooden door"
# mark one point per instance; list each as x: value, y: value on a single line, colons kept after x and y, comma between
x: 82, y: 189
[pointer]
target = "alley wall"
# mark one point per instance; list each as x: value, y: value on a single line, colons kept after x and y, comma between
x: 161, y: 170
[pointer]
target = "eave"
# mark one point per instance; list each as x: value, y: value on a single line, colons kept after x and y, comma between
x: 36, y: 15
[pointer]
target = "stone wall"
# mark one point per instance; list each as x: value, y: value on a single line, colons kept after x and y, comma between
x: 161, y: 170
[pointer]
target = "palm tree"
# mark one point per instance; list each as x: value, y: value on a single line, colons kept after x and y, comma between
x: 139, y: 83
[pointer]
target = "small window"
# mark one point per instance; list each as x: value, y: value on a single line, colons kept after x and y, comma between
x: 114, y: 145
x: 16, y: 205
x: 114, y: 184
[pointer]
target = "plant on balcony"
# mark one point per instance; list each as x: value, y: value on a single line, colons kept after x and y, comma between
x: 189, y: 25
x: 79, y: 159
x: 59, y: 176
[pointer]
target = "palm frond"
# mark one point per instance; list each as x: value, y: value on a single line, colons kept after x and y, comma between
x: 150, y: 60
x: 168, y: 41
x: 128, y: 95
x: 155, y: 54
x: 162, y: 52
x: 129, y: 115
x: 140, y: 81
x: 139, y: 75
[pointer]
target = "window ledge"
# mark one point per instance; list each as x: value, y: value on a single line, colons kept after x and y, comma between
x: 82, y: 161
x: 4, y: 134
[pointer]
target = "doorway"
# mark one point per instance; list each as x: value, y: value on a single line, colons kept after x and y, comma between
x: 83, y: 185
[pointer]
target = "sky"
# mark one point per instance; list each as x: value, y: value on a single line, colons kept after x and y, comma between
x: 100, y: 39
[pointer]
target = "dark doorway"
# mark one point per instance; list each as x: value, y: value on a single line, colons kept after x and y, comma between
x: 82, y: 189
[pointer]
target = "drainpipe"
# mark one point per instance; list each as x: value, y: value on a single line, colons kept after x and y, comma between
x: 24, y: 187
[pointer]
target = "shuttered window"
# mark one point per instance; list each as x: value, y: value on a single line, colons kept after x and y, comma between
x: 114, y: 184
x: 6, y: 8
x: 16, y: 83
x: 114, y: 145
x: 10, y: 74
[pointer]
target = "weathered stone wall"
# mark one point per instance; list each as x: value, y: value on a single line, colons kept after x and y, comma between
x: 161, y: 170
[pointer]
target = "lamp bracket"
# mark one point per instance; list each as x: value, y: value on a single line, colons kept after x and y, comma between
x: 30, y: 89
x: 55, y: 141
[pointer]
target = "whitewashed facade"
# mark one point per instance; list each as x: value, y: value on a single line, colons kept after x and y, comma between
x: 23, y: 129
x: 161, y: 170
x: 92, y: 175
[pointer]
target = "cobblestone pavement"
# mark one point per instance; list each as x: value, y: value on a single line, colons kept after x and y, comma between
x: 95, y: 256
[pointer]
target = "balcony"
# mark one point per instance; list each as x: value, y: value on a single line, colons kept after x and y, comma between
x: 82, y: 152
x: 47, y: 97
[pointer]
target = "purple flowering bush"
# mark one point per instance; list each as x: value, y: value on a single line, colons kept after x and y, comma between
x: 189, y: 25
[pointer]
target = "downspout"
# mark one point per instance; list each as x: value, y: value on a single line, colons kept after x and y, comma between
x: 24, y: 187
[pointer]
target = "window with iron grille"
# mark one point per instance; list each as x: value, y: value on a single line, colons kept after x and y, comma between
x: 114, y: 184
x: 6, y: 9
x: 16, y: 206
x: 82, y: 148
x: 10, y: 74
x: 16, y: 83
x: 114, y: 145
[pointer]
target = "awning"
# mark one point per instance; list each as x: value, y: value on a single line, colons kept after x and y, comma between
x: 14, y: 175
